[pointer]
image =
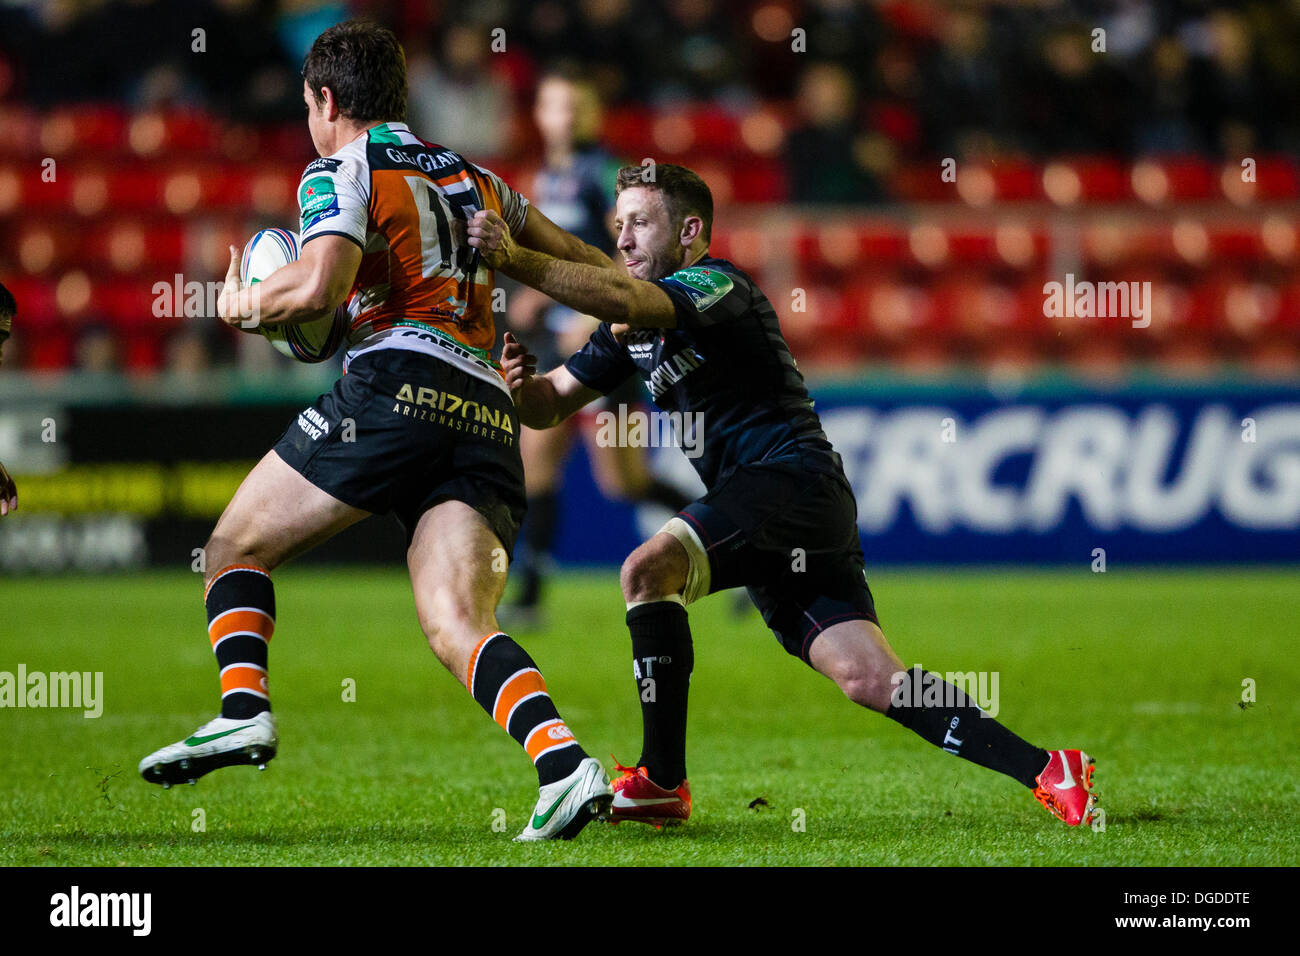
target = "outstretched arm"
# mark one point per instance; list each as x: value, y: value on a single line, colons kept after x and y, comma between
x: 608, y: 294
x: 544, y: 236
x: 543, y: 400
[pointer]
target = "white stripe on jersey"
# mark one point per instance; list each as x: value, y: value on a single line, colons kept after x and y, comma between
x: 434, y: 345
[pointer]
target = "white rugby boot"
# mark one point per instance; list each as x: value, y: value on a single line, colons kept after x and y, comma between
x: 568, y: 805
x: 222, y: 742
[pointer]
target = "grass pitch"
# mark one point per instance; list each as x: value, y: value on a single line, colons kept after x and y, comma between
x: 1144, y: 669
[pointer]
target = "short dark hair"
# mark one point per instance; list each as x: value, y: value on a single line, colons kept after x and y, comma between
x: 363, y: 64
x: 684, y: 192
x: 8, y: 307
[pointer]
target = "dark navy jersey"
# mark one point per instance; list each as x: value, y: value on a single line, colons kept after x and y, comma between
x: 725, y: 360
x: 578, y: 197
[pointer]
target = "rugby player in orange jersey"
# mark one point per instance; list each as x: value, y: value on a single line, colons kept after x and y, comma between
x: 421, y: 424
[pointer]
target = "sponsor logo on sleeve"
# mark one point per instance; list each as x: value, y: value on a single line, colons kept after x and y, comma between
x: 323, y: 165
x: 705, y: 287
x: 318, y: 200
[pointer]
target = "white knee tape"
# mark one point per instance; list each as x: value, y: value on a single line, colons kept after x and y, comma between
x: 697, y: 571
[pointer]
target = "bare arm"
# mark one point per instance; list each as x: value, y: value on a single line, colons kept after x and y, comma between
x: 608, y: 294
x: 545, y: 236
x: 543, y: 400
x: 310, y: 288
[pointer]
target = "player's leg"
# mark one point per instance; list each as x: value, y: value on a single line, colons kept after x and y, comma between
x: 823, y: 612
x: 856, y: 656
x: 457, y: 564
x: 654, y: 581
x: 544, y: 453
x: 275, y: 515
x: 623, y: 473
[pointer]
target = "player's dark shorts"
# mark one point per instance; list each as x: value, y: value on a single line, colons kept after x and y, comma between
x: 403, y: 431
x: 790, y: 534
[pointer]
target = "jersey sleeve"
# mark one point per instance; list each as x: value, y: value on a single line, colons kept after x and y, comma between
x: 332, y: 200
x: 514, y: 204
x: 706, y: 295
x: 602, y: 363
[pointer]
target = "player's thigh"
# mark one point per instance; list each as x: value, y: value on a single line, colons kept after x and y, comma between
x: 276, y: 514
x: 544, y: 452
x: 458, y: 572
x: 764, y: 522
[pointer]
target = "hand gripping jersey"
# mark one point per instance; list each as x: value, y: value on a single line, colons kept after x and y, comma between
x: 405, y: 202
x: 726, y: 363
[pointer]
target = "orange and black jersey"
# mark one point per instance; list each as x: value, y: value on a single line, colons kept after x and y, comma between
x: 405, y: 201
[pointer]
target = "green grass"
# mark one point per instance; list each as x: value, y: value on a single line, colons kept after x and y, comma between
x: 1144, y: 669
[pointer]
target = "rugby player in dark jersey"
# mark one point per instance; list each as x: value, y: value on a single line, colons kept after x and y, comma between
x: 779, y: 516
x: 575, y: 190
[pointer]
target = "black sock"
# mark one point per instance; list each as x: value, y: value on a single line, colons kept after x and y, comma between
x: 662, y: 660
x: 945, y: 716
x: 508, y: 685
x: 538, y: 534
x: 240, y: 602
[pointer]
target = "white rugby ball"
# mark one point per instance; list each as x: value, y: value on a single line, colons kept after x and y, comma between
x: 315, y: 341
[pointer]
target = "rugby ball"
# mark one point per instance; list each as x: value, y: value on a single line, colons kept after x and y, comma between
x: 315, y: 341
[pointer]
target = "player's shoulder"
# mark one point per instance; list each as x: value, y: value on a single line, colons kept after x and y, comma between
x: 710, y: 280
x: 324, y: 178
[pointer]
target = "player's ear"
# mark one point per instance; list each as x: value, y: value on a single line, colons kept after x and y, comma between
x: 330, y: 106
x: 692, y: 226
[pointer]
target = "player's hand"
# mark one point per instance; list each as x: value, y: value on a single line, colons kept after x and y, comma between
x: 8, y: 492
x: 228, y: 300
x: 489, y: 234
x: 620, y: 330
x: 517, y: 363
x: 228, y: 303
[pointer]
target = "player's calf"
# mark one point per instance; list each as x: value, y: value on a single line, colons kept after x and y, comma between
x: 857, y: 658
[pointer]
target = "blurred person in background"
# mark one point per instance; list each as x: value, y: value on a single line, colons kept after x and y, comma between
x: 574, y: 189
x: 96, y: 351
x: 458, y: 93
x: 8, y: 309
x: 822, y: 151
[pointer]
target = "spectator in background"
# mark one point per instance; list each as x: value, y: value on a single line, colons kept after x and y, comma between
x: 1165, y: 128
x: 706, y: 54
x: 1077, y: 101
x: 1230, y: 99
x: 965, y: 88
x: 823, y: 152
x: 96, y: 351
x: 459, y: 93
x: 8, y: 309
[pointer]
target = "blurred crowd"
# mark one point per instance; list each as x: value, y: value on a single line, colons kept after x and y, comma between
x: 867, y: 77
x: 860, y: 88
